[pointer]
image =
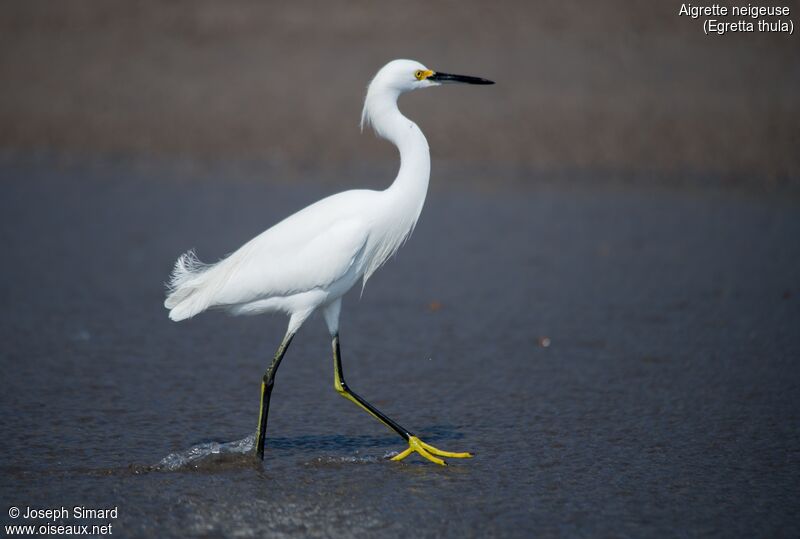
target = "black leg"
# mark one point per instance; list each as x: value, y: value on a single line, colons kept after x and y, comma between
x: 266, y: 391
x: 344, y: 391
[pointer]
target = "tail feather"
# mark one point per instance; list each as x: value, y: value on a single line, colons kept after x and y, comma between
x: 187, y: 290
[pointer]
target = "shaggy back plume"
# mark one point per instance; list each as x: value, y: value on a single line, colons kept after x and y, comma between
x: 184, y: 289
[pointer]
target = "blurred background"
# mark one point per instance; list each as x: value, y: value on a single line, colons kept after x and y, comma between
x: 626, y: 88
x: 601, y: 297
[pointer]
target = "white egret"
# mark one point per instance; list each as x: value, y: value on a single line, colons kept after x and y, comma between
x: 311, y: 259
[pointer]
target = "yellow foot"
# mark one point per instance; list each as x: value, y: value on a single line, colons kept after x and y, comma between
x: 415, y: 445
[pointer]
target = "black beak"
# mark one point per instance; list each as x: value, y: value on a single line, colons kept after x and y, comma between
x: 465, y: 79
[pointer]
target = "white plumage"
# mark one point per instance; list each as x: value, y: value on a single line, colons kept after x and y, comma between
x: 312, y: 258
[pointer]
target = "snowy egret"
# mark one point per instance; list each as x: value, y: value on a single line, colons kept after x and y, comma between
x: 311, y: 259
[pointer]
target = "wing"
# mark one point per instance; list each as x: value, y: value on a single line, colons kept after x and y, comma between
x: 291, y: 258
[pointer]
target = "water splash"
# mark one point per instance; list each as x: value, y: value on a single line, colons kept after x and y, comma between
x: 212, y: 455
x: 207, y: 453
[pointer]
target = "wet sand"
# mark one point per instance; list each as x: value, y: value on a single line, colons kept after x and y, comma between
x: 665, y: 405
x: 627, y: 192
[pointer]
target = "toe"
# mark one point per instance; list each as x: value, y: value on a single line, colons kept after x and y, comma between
x: 430, y: 457
x: 404, y: 454
x: 427, y: 451
x: 447, y: 454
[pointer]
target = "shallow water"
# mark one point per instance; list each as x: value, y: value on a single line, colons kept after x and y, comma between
x: 666, y: 403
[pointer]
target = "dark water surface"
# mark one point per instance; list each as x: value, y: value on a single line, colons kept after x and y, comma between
x: 665, y: 405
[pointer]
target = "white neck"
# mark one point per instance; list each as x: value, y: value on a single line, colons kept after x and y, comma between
x: 403, y: 200
x: 411, y: 184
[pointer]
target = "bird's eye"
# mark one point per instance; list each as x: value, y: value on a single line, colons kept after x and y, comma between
x: 419, y: 74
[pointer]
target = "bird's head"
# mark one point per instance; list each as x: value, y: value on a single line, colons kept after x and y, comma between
x: 406, y: 75
x: 399, y: 76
